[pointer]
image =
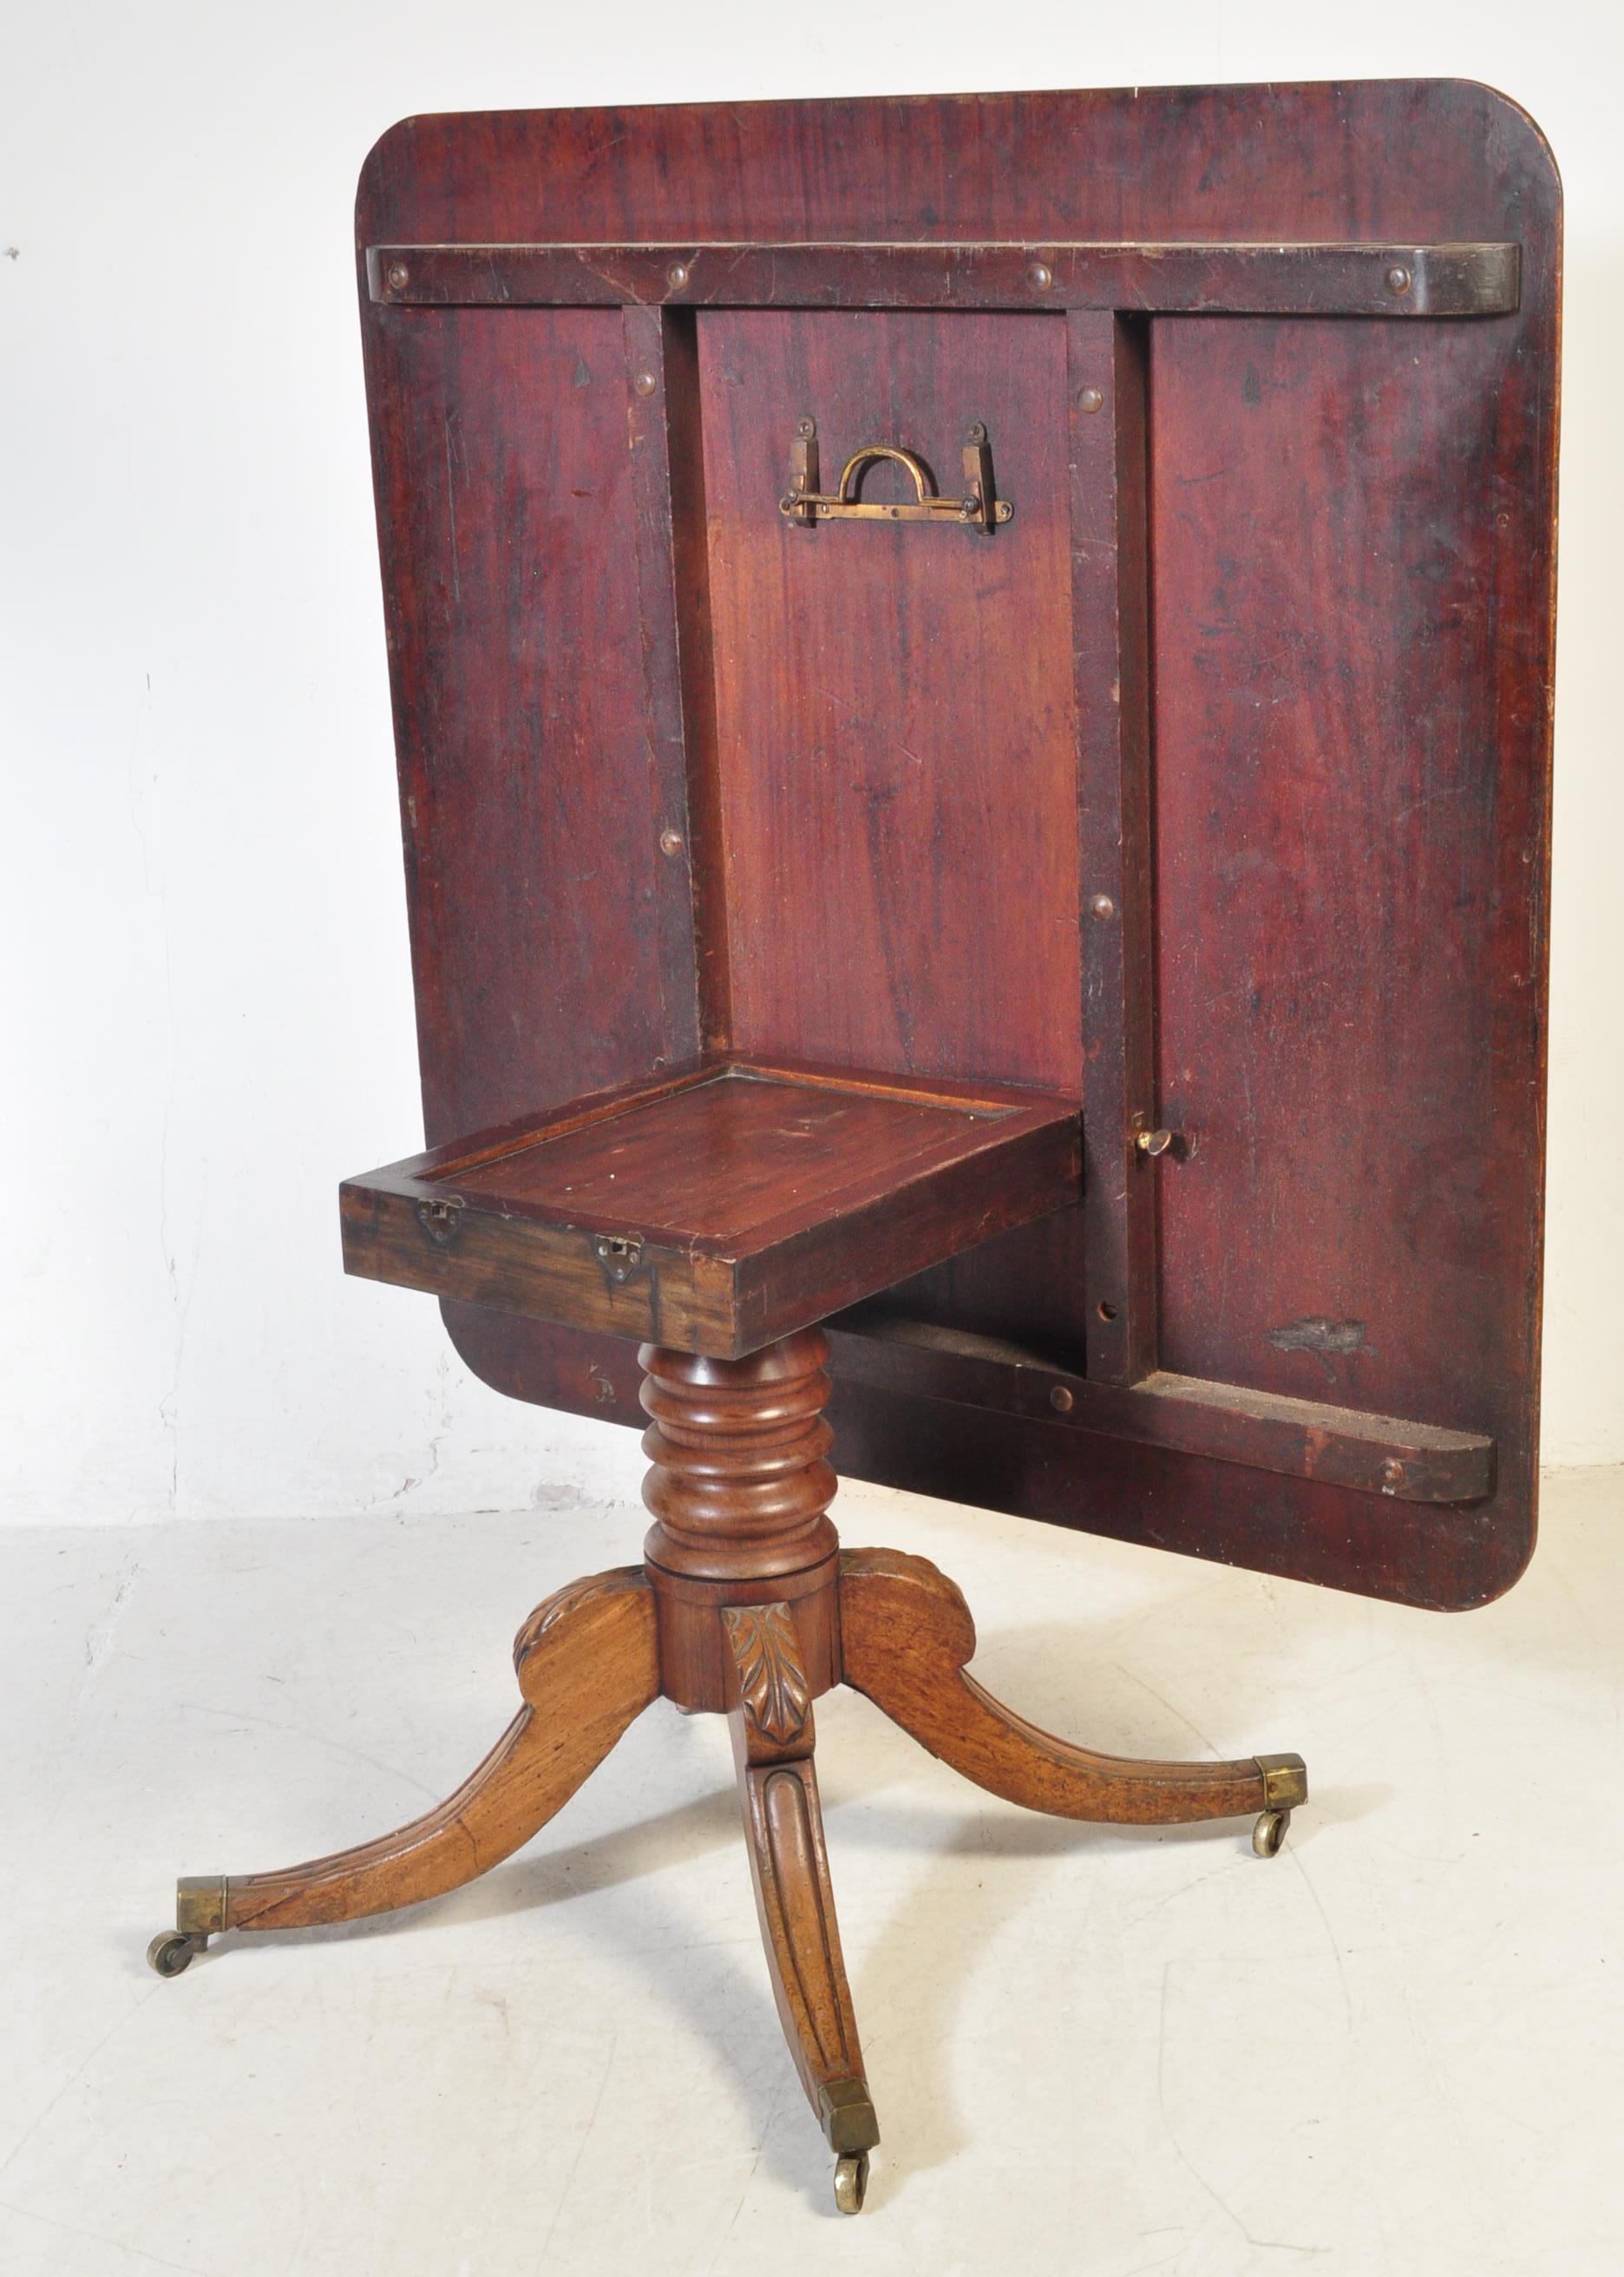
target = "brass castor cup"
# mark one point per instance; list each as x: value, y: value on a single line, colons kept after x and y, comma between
x: 199, y: 1914
x: 1285, y: 1784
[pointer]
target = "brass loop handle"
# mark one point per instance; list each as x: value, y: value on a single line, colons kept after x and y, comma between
x: 847, y: 492
x: 804, y: 504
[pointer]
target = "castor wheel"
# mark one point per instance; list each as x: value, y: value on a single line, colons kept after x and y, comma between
x: 850, y: 2181
x: 173, y: 1950
x: 1269, y: 1833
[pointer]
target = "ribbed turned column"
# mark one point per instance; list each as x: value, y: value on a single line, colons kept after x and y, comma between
x: 740, y: 1488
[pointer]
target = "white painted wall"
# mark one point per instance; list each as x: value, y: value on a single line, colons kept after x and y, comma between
x: 207, y: 1009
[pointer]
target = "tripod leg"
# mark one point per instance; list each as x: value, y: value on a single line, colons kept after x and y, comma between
x: 587, y: 1664
x: 906, y: 1634
x: 772, y: 1746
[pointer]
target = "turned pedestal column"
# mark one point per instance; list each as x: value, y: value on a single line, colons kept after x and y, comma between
x: 739, y: 1486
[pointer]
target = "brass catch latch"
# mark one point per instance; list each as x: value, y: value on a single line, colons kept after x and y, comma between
x: 806, y: 505
x: 620, y: 1254
x: 440, y: 1220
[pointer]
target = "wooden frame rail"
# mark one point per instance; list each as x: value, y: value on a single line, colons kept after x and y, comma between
x: 1281, y: 280
x: 1387, y: 1455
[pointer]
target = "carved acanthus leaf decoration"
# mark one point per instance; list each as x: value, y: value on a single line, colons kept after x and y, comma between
x: 772, y: 1684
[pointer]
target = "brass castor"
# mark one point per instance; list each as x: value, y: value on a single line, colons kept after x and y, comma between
x: 1269, y: 1833
x: 173, y: 1950
x: 850, y: 2181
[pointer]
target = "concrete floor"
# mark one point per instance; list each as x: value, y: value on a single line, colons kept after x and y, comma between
x: 1394, y: 2049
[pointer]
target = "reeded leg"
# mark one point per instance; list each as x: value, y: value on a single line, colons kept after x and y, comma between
x: 906, y: 1634
x: 588, y: 1664
x: 772, y: 1745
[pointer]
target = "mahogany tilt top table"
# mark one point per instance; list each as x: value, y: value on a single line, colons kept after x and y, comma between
x: 972, y: 682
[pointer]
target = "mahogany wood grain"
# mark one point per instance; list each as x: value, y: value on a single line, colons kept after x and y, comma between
x: 727, y: 1163
x: 507, y: 507
x: 1389, y: 496
x: 744, y: 1604
x: 1190, y: 164
x: 739, y: 1486
x: 655, y: 435
x: 1143, y: 1489
x: 773, y: 1734
x: 696, y: 1668
x: 893, y: 704
x: 1342, y: 280
x: 1393, y: 1455
x: 588, y: 1664
x: 906, y: 1633
x: 1106, y: 384
x: 1361, y: 829
x: 685, y: 456
x: 719, y: 1207
x: 739, y: 1483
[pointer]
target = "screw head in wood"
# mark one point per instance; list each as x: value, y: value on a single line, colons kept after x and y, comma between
x: 1393, y: 1473
x: 677, y: 276
x: 1397, y: 279
x: 671, y: 842
x: 1101, y: 905
x: 1040, y: 276
x: 1061, y: 1399
x: 806, y: 427
x: 397, y: 276
x: 644, y: 382
x: 1091, y: 398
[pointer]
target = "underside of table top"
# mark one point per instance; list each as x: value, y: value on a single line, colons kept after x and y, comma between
x: 1205, y: 788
